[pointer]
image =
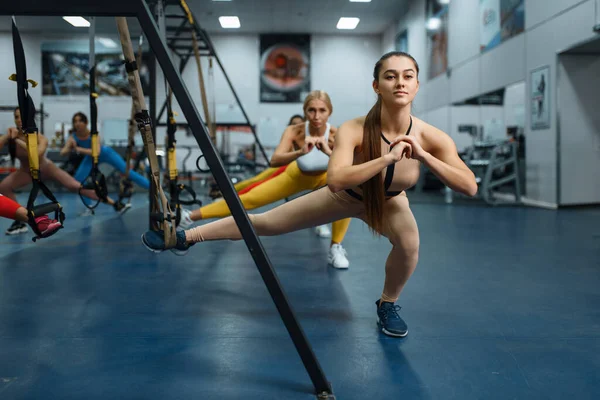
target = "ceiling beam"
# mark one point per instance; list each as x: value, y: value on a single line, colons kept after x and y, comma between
x: 96, y: 8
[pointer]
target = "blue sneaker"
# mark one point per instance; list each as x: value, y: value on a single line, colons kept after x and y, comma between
x: 155, y: 242
x: 389, y: 320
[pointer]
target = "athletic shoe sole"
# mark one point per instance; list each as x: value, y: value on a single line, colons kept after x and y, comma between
x: 17, y: 231
x: 174, y: 251
x: 179, y: 252
x: 392, y: 334
x: 150, y: 248
x: 126, y: 208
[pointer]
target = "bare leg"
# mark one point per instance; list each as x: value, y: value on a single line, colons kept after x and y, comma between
x: 316, y: 208
x: 51, y: 171
x: 21, y: 215
x: 15, y: 180
x: 402, y: 231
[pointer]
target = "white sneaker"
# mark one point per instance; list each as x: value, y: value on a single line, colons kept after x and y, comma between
x: 16, y: 228
x: 185, y: 221
x: 337, y: 257
x: 87, y: 213
x: 323, y: 231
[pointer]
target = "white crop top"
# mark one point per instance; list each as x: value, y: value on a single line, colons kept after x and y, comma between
x: 314, y: 160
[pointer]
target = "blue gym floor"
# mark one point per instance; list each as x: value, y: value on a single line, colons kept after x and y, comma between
x: 505, y: 304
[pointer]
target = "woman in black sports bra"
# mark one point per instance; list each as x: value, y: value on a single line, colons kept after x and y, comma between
x: 375, y: 159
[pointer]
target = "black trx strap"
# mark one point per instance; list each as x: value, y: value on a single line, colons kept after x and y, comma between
x: 162, y: 217
x: 95, y: 180
x: 29, y: 127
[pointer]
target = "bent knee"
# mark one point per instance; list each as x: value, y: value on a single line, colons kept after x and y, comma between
x: 409, y: 245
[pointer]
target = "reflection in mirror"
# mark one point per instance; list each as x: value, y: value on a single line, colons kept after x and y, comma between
x: 489, y: 130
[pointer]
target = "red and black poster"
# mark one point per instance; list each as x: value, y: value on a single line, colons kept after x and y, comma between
x: 284, y: 68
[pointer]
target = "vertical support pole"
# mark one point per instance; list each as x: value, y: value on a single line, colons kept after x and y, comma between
x: 313, y: 368
x: 152, y: 107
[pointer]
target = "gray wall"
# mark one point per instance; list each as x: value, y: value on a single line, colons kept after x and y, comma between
x: 341, y: 65
x: 579, y: 129
x: 551, y: 26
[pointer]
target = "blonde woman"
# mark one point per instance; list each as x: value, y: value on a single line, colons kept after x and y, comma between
x: 305, y: 149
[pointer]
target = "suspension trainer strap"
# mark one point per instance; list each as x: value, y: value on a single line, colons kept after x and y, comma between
x: 170, y: 140
x: 96, y: 180
x: 29, y: 128
x: 208, y: 119
x: 125, y: 185
x: 172, y: 156
x: 164, y: 219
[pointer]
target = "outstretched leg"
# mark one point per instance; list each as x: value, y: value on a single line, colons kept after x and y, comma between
x: 316, y: 208
x: 290, y: 182
x: 51, y: 171
x: 15, y: 180
x: 111, y: 157
x: 255, y: 179
x: 13, y: 210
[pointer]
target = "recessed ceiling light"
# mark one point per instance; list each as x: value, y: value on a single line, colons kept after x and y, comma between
x: 347, y: 23
x: 107, y: 42
x: 78, y: 22
x: 360, y: 1
x: 434, y: 23
x: 229, y: 22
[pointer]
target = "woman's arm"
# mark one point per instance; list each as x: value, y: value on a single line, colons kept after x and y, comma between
x: 341, y: 174
x: 326, y: 146
x: 438, y: 152
x: 284, y: 153
x: 69, y: 145
x: 4, y: 140
x: 83, y: 150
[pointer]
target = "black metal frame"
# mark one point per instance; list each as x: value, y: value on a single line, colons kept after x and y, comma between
x: 141, y: 10
x: 206, y: 49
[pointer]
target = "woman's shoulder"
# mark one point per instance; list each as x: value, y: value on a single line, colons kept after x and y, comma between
x: 357, y: 123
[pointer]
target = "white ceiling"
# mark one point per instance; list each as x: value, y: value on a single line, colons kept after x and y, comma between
x: 256, y: 16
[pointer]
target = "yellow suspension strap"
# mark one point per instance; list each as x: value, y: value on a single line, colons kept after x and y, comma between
x: 172, y: 156
x: 176, y: 189
x: 161, y: 214
x: 95, y: 180
x: 29, y: 128
x: 125, y: 185
x: 208, y: 120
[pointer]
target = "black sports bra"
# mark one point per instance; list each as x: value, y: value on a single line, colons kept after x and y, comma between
x: 389, y: 173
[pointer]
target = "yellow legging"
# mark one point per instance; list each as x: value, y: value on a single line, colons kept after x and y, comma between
x: 288, y: 183
x: 256, y: 178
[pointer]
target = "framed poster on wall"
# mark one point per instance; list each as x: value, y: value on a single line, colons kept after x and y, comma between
x: 65, y: 70
x: 284, y: 68
x: 499, y: 21
x: 540, y: 98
